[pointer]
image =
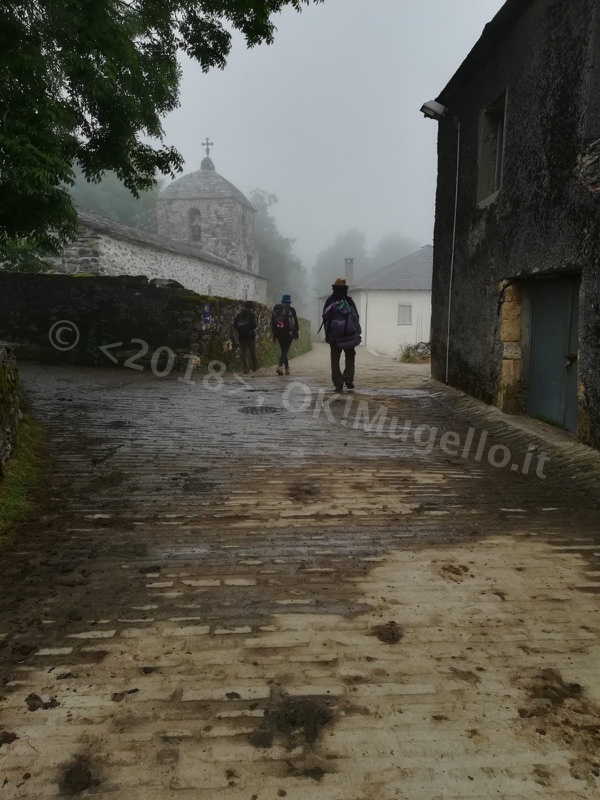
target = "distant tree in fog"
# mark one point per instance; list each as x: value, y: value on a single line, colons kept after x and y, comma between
x: 390, y: 248
x: 330, y: 262
x: 110, y: 198
x: 278, y: 263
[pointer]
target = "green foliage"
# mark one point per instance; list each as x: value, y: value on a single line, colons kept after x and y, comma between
x: 284, y: 271
x: 87, y: 82
x: 23, y: 474
x: 110, y: 198
x: 23, y: 255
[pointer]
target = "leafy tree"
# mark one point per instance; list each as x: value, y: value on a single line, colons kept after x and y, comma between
x: 110, y: 198
x: 24, y: 255
x: 330, y: 263
x: 87, y: 81
x: 284, y: 271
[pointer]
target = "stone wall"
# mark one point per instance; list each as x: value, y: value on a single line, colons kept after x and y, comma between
x: 9, y: 403
x: 544, y: 221
x: 81, y: 314
x: 106, y: 247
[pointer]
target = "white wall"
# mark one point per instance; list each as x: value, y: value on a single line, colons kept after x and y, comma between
x: 127, y: 258
x: 103, y: 252
x: 379, y: 319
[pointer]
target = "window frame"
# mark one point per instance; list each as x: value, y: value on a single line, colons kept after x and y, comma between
x: 195, y: 223
x: 491, y: 150
x: 405, y: 305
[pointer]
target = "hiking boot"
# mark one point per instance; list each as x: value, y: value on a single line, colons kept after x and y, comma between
x: 287, y: 370
x: 349, y: 385
x: 339, y: 389
x: 246, y: 371
x: 279, y: 371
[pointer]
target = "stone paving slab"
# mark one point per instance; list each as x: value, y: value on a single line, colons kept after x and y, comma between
x: 222, y: 604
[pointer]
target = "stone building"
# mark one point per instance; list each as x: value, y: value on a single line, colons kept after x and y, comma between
x: 205, y: 240
x: 206, y: 210
x: 524, y: 291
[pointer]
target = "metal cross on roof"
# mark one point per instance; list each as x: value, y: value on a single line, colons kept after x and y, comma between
x: 208, y: 145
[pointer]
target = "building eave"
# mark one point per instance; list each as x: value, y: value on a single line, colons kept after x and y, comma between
x: 492, y: 35
x: 387, y: 289
x: 99, y: 224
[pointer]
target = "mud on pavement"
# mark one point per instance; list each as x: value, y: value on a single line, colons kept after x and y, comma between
x: 267, y: 606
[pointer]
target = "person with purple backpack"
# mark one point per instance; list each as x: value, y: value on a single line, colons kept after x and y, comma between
x: 342, y: 333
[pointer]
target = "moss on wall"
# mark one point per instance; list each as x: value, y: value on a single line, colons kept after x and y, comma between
x: 9, y: 404
x: 107, y: 310
x: 23, y: 477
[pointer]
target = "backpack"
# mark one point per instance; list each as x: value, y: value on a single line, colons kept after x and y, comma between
x: 283, y: 320
x: 243, y: 323
x: 341, y: 324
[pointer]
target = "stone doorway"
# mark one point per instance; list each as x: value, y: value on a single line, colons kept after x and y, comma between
x: 539, y: 341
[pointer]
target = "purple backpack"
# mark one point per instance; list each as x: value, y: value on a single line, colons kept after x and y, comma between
x: 342, y: 325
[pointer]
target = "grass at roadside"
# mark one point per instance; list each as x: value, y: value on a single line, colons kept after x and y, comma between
x: 23, y: 473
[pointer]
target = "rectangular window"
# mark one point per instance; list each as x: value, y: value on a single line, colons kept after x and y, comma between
x: 491, y: 150
x: 405, y: 314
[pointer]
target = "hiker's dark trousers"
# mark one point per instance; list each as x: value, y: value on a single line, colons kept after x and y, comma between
x: 339, y: 378
x: 285, y: 342
x: 248, y: 353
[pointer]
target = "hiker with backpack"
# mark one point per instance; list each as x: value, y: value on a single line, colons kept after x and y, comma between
x: 245, y: 325
x: 342, y: 333
x: 285, y: 328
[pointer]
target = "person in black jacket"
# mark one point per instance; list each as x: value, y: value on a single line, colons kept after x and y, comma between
x: 285, y: 328
x: 340, y: 292
x: 245, y: 325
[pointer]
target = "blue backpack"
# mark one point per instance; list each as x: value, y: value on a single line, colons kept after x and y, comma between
x: 342, y: 325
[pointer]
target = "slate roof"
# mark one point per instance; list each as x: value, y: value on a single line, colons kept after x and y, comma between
x: 411, y: 274
x: 205, y: 183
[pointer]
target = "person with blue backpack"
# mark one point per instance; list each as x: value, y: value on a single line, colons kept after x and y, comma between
x: 285, y: 328
x: 342, y: 333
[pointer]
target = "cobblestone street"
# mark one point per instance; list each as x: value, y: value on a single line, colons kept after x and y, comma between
x: 223, y: 597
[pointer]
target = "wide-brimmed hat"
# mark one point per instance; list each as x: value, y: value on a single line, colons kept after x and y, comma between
x: 340, y: 282
x: 286, y: 298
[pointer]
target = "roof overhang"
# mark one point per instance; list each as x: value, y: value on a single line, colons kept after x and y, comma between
x: 492, y: 35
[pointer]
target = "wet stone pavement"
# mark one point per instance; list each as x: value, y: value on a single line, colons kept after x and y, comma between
x: 237, y: 591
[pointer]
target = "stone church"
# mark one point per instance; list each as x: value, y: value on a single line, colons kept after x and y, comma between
x: 205, y: 240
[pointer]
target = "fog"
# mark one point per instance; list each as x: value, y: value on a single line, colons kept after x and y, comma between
x: 327, y: 117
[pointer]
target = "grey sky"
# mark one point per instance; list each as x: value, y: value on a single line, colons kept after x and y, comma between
x: 328, y: 118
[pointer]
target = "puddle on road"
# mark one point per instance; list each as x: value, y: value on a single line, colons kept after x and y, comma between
x: 295, y: 719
